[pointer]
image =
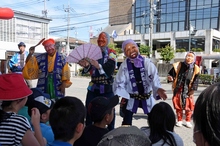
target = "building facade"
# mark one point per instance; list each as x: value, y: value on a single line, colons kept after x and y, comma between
x: 183, y: 24
x: 23, y: 27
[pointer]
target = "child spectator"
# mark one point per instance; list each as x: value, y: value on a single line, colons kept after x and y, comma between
x: 161, y: 121
x: 101, y: 110
x: 67, y: 120
x: 206, y: 117
x: 42, y: 102
x: 125, y: 135
x: 15, y: 129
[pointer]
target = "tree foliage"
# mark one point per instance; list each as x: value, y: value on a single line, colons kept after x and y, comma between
x: 167, y: 53
x: 145, y: 50
x: 114, y: 47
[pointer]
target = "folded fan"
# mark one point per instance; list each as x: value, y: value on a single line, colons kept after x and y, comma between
x: 89, y: 50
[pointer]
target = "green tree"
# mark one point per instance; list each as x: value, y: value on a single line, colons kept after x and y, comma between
x: 167, y: 53
x: 145, y: 50
x: 114, y: 47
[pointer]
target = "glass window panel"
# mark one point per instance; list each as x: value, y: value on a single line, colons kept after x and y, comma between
x: 193, y: 4
x: 181, y: 26
x: 175, y: 26
x: 214, y: 22
x: 207, y: 4
x: 192, y: 14
x: 214, y: 12
x: 206, y: 23
x: 163, y: 8
x: 169, y: 18
x: 169, y: 8
x: 168, y: 27
x: 175, y: 16
x: 198, y: 24
x: 199, y: 14
x: 163, y: 1
x: 137, y: 29
x: 163, y: 18
x: 207, y: 13
x: 182, y: 6
x: 200, y: 4
x: 162, y: 27
x: 175, y: 7
x: 181, y: 16
x: 215, y: 3
x: 138, y: 21
x: 138, y: 12
x: 138, y: 3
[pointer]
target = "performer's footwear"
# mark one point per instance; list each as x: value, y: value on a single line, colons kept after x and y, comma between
x: 188, y: 125
x: 179, y: 124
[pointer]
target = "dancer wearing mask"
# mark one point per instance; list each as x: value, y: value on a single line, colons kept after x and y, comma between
x: 184, y: 76
x: 137, y: 82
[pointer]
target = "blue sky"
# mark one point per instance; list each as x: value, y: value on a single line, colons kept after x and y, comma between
x: 83, y: 15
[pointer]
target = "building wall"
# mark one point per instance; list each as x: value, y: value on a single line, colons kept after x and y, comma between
x: 24, y: 27
x: 120, y: 12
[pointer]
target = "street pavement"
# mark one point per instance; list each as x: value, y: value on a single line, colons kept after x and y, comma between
x: 78, y: 89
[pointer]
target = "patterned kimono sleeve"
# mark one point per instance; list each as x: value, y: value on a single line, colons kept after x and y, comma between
x: 66, y: 75
x: 31, y: 69
x: 153, y: 78
x: 120, y: 82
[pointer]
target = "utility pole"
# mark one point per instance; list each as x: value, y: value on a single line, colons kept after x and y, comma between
x: 44, y: 12
x: 151, y: 26
x: 68, y: 29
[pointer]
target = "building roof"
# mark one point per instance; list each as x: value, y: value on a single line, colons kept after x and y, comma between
x: 31, y: 15
x: 120, y: 29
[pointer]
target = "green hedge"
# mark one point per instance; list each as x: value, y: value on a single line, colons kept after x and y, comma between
x: 206, y: 79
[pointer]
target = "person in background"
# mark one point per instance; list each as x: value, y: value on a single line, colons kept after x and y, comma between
x: 42, y: 102
x: 101, y: 110
x: 185, y: 77
x: 17, y: 61
x: 67, y: 121
x: 15, y: 129
x: 101, y: 72
x: 161, y: 122
x: 50, y: 68
x: 205, y: 71
x: 206, y: 117
x: 137, y: 82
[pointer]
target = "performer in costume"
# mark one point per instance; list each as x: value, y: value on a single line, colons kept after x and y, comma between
x: 137, y: 82
x: 185, y: 76
x: 101, y: 72
x: 50, y: 69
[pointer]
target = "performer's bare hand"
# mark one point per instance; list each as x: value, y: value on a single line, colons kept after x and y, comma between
x: 95, y: 63
x: 161, y: 93
x: 170, y: 78
x: 83, y: 63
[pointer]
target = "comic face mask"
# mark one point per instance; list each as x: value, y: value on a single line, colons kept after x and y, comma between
x: 131, y: 51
